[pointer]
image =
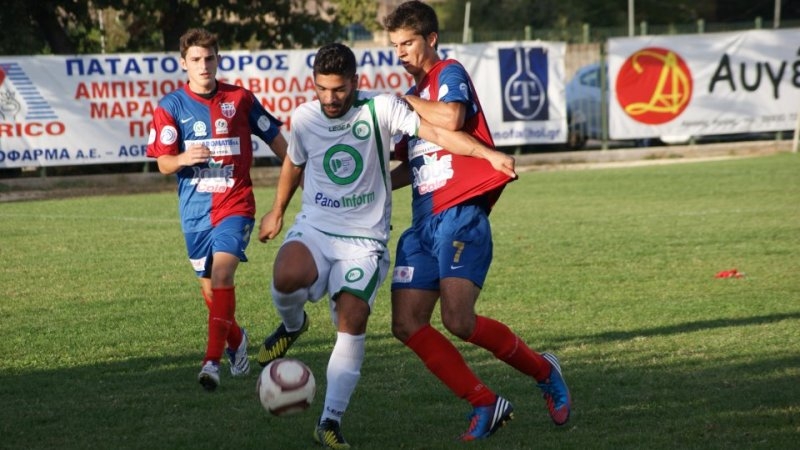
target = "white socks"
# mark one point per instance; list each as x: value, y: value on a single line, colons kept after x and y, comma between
x: 290, y: 307
x: 344, y: 370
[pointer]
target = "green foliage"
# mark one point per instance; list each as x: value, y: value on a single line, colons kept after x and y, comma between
x: 362, y: 12
x: 102, y: 326
x: 68, y: 27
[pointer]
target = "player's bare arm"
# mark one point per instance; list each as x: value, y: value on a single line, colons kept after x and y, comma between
x: 278, y: 146
x: 449, y: 116
x: 461, y: 143
x: 288, y: 181
x: 194, y: 154
x: 400, y: 175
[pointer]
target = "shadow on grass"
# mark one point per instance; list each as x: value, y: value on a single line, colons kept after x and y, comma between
x: 651, y: 403
x: 687, y: 327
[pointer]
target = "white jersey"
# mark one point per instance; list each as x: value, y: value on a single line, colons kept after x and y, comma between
x: 347, y: 187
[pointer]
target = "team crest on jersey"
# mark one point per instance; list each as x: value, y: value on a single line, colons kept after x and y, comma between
x: 221, y: 126
x: 228, y: 109
x: 361, y: 130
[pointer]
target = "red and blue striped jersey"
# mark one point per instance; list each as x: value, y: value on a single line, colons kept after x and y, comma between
x: 440, y: 179
x: 210, y: 192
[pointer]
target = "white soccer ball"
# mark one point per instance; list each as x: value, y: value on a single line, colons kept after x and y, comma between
x: 286, y: 386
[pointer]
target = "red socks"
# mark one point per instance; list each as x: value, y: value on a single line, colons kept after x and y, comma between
x: 443, y: 359
x: 234, y: 337
x: 220, y: 322
x: 508, y: 347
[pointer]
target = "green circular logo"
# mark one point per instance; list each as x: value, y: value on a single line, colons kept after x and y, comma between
x: 343, y: 164
x: 354, y: 275
x: 361, y: 129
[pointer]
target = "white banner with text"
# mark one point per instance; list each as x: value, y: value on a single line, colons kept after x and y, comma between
x: 96, y: 109
x: 703, y: 84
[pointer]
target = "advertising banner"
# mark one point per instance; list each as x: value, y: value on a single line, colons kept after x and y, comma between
x: 703, y: 84
x: 92, y: 109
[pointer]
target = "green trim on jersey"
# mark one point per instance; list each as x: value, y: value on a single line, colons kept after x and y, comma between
x: 350, y: 236
x: 370, y: 102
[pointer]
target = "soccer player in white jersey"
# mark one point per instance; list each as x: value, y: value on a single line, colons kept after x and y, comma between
x: 339, y: 146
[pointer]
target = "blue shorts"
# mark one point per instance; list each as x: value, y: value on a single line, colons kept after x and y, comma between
x: 232, y: 235
x: 454, y: 243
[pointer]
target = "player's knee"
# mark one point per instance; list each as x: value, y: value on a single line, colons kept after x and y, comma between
x: 401, y: 331
x: 459, y: 326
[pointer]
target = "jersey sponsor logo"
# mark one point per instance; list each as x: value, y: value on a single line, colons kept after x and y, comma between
x: 402, y: 274
x: 362, y: 130
x: 221, y: 126
x: 343, y: 164
x: 433, y: 173
x: 339, y: 127
x: 418, y: 147
x: 523, y: 75
x: 219, y: 147
x: 354, y: 275
x: 168, y: 135
x: 215, y: 178
x: 186, y: 120
x: 228, y: 109
x: 199, y: 128
x: 348, y: 201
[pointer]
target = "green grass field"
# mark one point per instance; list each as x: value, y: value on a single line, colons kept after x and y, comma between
x: 102, y: 327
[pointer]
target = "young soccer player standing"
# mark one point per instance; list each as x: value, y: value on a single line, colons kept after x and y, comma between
x: 447, y: 251
x: 202, y: 134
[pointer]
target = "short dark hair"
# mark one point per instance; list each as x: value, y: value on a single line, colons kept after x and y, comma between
x: 335, y: 59
x: 198, y: 37
x: 413, y: 15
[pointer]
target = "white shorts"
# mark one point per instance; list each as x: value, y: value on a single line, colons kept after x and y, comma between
x: 354, y: 265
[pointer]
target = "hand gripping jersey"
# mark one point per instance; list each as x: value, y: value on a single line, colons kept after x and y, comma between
x: 221, y: 187
x: 347, y: 187
x: 441, y: 179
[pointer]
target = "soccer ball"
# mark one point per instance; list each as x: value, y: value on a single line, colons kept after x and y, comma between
x: 286, y: 386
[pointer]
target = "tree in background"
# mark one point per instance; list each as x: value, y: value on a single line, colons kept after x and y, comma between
x: 493, y: 15
x: 113, y: 26
x: 83, y: 26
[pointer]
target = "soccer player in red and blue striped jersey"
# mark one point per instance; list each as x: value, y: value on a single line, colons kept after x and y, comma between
x: 202, y: 134
x: 446, y: 252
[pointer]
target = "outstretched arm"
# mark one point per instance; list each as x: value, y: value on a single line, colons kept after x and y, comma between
x: 450, y: 116
x: 461, y: 143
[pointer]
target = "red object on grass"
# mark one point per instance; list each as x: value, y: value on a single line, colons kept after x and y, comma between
x: 733, y: 273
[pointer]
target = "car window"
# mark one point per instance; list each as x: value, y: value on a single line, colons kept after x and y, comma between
x: 591, y: 78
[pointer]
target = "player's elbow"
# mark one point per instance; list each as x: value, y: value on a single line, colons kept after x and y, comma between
x: 452, y: 124
x: 165, y: 168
